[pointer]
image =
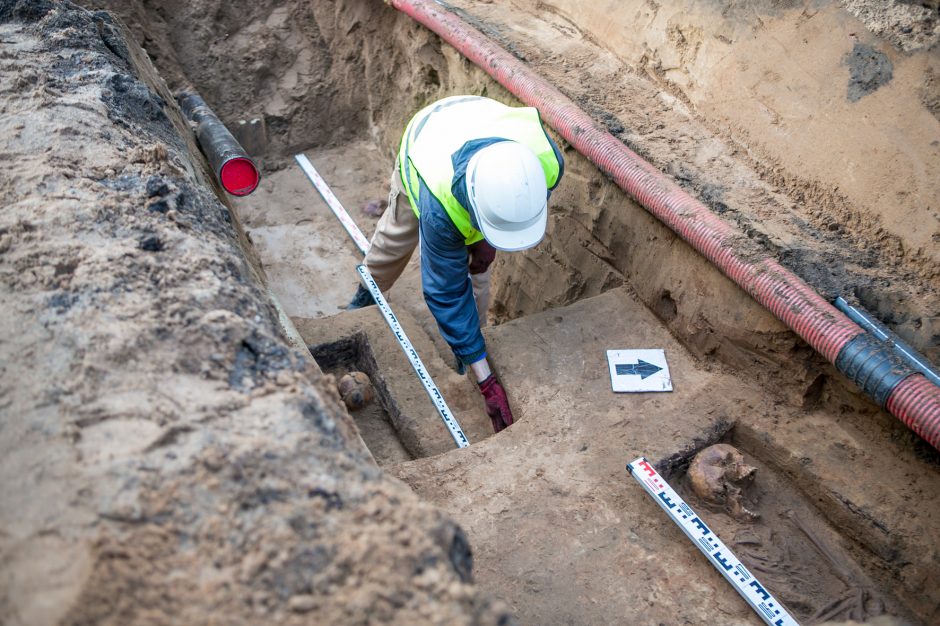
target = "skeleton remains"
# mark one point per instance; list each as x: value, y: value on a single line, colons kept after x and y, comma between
x: 719, y: 475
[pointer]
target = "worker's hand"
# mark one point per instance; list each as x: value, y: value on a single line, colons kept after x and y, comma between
x: 497, y: 405
x: 481, y: 255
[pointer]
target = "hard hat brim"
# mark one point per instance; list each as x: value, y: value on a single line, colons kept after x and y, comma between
x: 515, y: 240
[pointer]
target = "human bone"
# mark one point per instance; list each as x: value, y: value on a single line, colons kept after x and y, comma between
x: 719, y: 475
x: 355, y: 389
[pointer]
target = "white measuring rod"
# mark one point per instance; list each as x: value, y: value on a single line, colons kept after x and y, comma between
x: 363, y: 244
x: 333, y: 202
x: 433, y: 392
x: 766, y: 606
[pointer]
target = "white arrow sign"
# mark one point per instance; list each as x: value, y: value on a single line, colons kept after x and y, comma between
x: 638, y: 370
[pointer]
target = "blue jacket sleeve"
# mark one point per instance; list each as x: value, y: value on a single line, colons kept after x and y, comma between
x: 445, y: 280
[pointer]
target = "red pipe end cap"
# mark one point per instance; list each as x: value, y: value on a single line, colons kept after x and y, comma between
x: 239, y: 176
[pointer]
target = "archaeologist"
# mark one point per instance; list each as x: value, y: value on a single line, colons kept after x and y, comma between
x: 477, y: 175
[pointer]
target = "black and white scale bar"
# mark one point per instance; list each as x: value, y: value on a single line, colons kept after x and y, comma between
x: 333, y: 202
x: 766, y: 606
x: 363, y: 244
x: 435, y: 394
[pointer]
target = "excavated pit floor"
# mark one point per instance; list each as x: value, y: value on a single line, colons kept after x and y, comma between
x: 560, y: 470
x: 560, y: 473
x: 309, y: 260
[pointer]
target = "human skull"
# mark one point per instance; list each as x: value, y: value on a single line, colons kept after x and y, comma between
x: 355, y: 389
x: 719, y: 475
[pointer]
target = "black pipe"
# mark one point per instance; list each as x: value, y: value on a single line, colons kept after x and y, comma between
x: 235, y: 170
x: 871, y: 365
x: 867, y: 321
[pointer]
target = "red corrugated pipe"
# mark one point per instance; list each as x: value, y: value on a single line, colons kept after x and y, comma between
x: 907, y: 395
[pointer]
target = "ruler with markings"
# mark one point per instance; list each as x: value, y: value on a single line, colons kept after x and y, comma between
x: 433, y: 392
x: 363, y: 244
x: 764, y: 604
x: 333, y: 202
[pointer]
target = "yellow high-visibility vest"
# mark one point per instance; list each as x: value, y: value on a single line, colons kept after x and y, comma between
x: 439, y: 130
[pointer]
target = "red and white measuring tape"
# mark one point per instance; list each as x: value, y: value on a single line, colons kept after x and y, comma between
x: 766, y: 606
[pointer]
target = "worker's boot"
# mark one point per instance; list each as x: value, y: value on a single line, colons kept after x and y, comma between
x: 362, y: 299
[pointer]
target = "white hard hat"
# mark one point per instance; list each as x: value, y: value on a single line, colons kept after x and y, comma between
x: 508, y: 195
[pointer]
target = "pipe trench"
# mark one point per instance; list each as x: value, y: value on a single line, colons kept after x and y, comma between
x: 905, y: 393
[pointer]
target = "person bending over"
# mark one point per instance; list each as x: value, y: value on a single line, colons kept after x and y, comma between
x: 477, y: 175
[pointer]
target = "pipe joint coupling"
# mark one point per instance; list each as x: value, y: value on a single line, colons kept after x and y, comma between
x: 873, y: 366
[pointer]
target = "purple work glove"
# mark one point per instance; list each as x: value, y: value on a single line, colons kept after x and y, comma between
x: 481, y: 255
x: 497, y: 405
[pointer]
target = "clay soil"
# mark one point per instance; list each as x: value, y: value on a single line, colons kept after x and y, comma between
x: 174, y: 459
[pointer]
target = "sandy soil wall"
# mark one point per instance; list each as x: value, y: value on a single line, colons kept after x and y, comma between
x: 261, y: 59
x: 839, y: 94
x: 832, y: 104
x: 316, y: 72
x: 165, y: 457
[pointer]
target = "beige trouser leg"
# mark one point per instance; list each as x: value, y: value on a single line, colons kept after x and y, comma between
x: 395, y: 238
x: 481, y: 292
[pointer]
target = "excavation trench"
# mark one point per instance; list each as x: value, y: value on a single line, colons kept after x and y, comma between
x: 557, y: 528
x: 375, y: 421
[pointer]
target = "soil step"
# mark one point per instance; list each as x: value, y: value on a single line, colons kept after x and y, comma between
x: 560, y: 501
x: 362, y: 340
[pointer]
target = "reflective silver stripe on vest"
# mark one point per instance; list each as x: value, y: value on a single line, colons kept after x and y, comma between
x: 440, y: 107
x: 416, y: 130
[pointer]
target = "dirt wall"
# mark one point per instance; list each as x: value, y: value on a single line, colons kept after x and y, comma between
x: 165, y: 457
x: 830, y: 93
x: 316, y: 72
x: 828, y: 109
x: 262, y: 59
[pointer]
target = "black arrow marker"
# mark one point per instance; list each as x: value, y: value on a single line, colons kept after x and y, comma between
x: 641, y: 368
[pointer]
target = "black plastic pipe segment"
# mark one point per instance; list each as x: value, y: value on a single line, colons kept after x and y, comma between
x: 873, y: 366
x: 236, y: 171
